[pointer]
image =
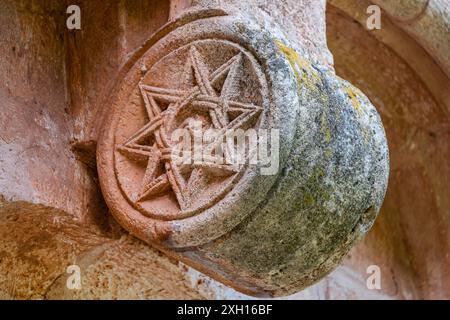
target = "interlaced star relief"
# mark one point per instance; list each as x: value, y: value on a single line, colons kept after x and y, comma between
x: 163, y: 172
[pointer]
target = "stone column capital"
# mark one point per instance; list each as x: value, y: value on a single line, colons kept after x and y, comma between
x: 275, y: 207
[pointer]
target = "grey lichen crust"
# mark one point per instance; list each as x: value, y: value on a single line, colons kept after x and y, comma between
x: 325, y: 198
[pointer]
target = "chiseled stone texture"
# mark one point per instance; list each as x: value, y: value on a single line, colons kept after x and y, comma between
x: 36, y: 164
x: 38, y: 243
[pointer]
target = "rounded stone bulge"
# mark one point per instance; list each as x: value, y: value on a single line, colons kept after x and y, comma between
x: 181, y: 142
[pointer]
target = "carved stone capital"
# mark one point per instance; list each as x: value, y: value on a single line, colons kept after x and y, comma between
x: 265, y: 234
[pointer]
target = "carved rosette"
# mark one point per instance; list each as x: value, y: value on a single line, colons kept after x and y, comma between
x: 211, y: 83
x: 263, y: 234
x: 202, y: 72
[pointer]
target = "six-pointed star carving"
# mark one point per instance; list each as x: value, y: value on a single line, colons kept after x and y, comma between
x: 162, y: 172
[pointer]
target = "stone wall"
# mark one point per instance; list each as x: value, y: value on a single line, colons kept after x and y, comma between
x: 52, y: 82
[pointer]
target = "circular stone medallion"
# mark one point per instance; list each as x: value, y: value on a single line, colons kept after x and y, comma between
x: 200, y: 92
x: 175, y: 149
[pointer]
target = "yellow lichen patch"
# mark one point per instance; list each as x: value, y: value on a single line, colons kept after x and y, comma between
x: 291, y: 56
x: 324, y: 128
x: 309, y: 76
x: 353, y: 96
x: 308, y: 199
